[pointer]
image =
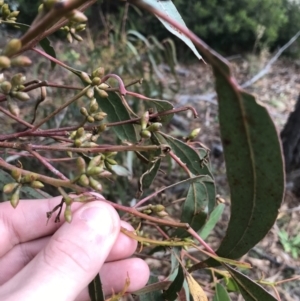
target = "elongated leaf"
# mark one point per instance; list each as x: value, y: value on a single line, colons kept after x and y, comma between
x: 194, y: 163
x: 116, y: 111
x: 212, y: 221
x: 250, y: 290
x: 169, y: 8
x: 95, y: 289
x: 46, y: 45
x: 26, y: 192
x: 155, y: 294
x: 221, y: 293
x: 163, y: 105
x: 254, y: 167
x: 171, y: 293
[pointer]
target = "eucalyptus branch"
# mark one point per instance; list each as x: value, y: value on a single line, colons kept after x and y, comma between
x: 15, y: 118
x: 180, y: 163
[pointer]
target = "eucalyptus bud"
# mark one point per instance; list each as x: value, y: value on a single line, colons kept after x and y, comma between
x: 85, y: 77
x: 84, y: 180
x: 14, y: 201
x: 145, y: 134
x: 77, y: 16
x: 90, y: 119
x: 95, y: 161
x: 29, y: 178
x: 101, y: 128
x: 4, y: 61
x: 5, y: 87
x: 77, y: 37
x: 80, y: 132
x: 81, y: 165
x: 68, y: 213
x: 1, y: 2
x: 21, y: 61
x: 104, y: 174
x: 78, y: 142
x: 48, y: 4
x: 80, y: 27
x: 111, y: 161
x: 99, y: 116
x: 110, y: 154
x: 94, y: 171
x: 18, y: 79
x: 95, y: 184
x: 96, y: 81
x: 14, y: 14
x: 101, y: 93
x: 99, y: 72
x: 69, y: 37
x: 193, y: 134
x: 93, y: 106
x: 154, y: 127
x: 12, y: 47
x: 13, y: 108
x: 36, y: 184
x: 84, y: 112
x: 21, y: 96
x: 145, y: 120
x: 90, y: 93
x: 10, y: 187
x: 5, y: 11
x: 158, y: 208
x: 147, y: 211
x: 162, y: 214
x: 16, y: 174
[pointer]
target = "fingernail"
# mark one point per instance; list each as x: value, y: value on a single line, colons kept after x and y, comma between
x: 99, y: 218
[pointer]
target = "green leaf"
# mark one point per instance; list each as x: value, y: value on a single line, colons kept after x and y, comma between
x: 194, y: 163
x: 221, y: 293
x: 121, y: 171
x: 254, y: 167
x: 95, y: 289
x: 169, y: 8
x: 26, y: 192
x: 161, y: 106
x: 250, y: 290
x: 212, y: 221
x: 171, y: 293
x: 155, y: 295
x: 116, y: 111
x: 46, y: 45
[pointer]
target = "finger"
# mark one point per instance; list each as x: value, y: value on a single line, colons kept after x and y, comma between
x: 69, y: 261
x: 17, y: 258
x: 114, y: 275
x: 27, y: 222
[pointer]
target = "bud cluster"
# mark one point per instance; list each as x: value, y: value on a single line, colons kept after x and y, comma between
x: 92, y: 113
x: 15, y: 187
x: 147, y: 129
x: 6, y: 14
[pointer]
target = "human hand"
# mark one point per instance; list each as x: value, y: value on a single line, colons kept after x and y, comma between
x: 57, y: 261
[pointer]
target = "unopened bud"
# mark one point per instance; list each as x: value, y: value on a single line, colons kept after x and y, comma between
x: 90, y: 93
x: 13, y: 108
x: 90, y: 119
x: 29, y: 178
x: 77, y: 16
x: 21, y: 61
x: 99, y: 72
x: 21, y: 96
x: 96, y: 81
x: 4, y: 61
x: 101, y: 93
x: 36, y: 184
x: 193, y: 134
x: 95, y: 161
x: 12, y: 47
x: 145, y: 120
x: 111, y: 161
x: 158, y: 208
x: 80, y: 27
x: 95, y: 184
x: 68, y: 214
x: 84, y: 180
x: 93, y: 106
x: 13, y: 14
x: 99, y: 116
x: 85, y: 77
x: 84, y: 112
x: 154, y: 127
x: 162, y: 214
x: 70, y: 37
x: 10, y: 187
x: 48, y: 4
x: 5, y: 11
x: 104, y: 174
x: 145, y: 134
x: 81, y: 165
x: 77, y: 37
x: 78, y: 142
x: 14, y: 201
x: 18, y: 79
x: 94, y: 171
x: 101, y: 128
x: 16, y: 174
x: 80, y: 132
x: 5, y: 87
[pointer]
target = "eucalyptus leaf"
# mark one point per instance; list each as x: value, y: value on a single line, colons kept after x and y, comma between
x: 95, y: 289
x: 171, y: 293
x: 221, y: 293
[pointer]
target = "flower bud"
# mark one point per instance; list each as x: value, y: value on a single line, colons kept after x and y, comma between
x: 70, y: 38
x: 78, y: 142
x: 4, y: 61
x: 84, y: 180
x: 29, y: 178
x: 21, y: 61
x: 90, y: 93
x: 85, y: 77
x: 14, y: 201
x: 77, y: 37
x: 101, y: 93
x: 80, y: 27
x: 14, y: 14
x: 90, y: 119
x: 193, y: 134
x: 95, y: 161
x: 84, y: 112
x: 80, y: 132
x: 158, y: 208
x: 5, y: 11
x: 77, y: 16
x: 95, y: 184
x: 145, y: 120
x: 16, y: 174
x: 162, y: 214
x: 48, y: 4
x: 5, y: 87
x: 10, y: 187
x: 93, y: 106
x: 104, y: 174
x: 111, y: 161
x: 13, y: 108
x: 99, y: 116
x: 18, y: 79
x: 99, y: 72
x: 21, y: 96
x: 81, y: 165
x: 96, y: 81
x: 94, y: 171
x: 36, y: 184
x: 145, y: 134
x: 154, y: 127
x: 68, y: 213
x: 12, y: 47
x: 101, y: 128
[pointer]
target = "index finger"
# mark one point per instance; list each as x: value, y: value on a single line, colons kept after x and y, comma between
x: 27, y: 222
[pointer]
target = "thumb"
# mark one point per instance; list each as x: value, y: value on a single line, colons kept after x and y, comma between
x: 72, y: 258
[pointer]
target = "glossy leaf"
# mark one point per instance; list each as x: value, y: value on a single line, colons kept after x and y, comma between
x: 46, y: 45
x: 121, y: 171
x: 254, y: 167
x: 163, y: 105
x: 169, y: 8
x: 95, y: 289
x: 171, y: 293
x: 212, y: 221
x: 26, y: 192
x: 221, y: 293
x: 116, y: 111
x: 250, y: 290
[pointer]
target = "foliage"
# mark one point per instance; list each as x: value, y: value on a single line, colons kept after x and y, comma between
x: 290, y: 244
x: 102, y: 104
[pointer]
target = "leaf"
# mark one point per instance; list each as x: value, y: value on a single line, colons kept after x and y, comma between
x: 254, y: 167
x: 212, y: 221
x: 121, y: 171
x: 193, y: 211
x: 26, y: 192
x: 163, y: 105
x: 169, y: 8
x: 153, y: 295
x: 171, y: 293
x: 95, y: 289
x: 194, y: 163
x: 116, y: 111
x: 250, y: 290
x: 196, y: 290
x: 221, y: 293
x: 46, y: 45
